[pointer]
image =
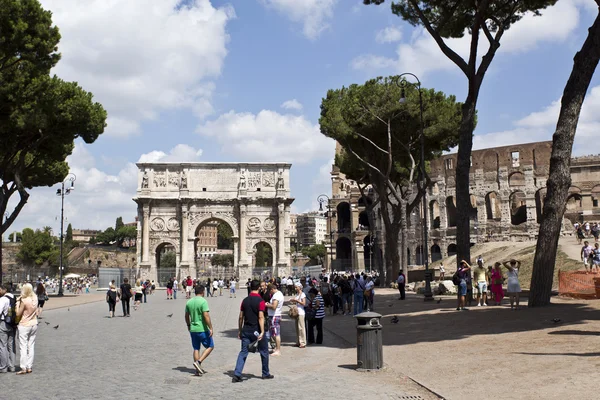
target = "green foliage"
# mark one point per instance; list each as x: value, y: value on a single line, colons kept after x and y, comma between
x: 349, y: 113
x: 451, y: 19
x: 125, y: 233
x: 263, y: 256
x: 69, y: 236
x: 168, y: 260
x: 223, y: 260
x: 107, y: 237
x: 17, y: 234
x: 119, y: 224
x: 37, y: 247
x: 224, y: 236
x: 41, y: 115
x: 316, y: 253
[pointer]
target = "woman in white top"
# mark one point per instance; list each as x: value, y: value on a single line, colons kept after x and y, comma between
x: 27, y: 305
x: 300, y: 302
x: 513, y: 288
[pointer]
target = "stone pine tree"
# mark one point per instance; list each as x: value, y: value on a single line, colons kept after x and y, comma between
x: 559, y: 179
x: 484, y: 20
x: 380, y: 138
x: 40, y: 115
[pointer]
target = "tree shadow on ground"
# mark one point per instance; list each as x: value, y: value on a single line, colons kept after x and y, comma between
x: 575, y: 332
x: 563, y: 354
x: 434, y: 321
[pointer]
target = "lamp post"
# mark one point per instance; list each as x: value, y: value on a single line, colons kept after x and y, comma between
x: 402, y: 84
x: 62, y: 192
x: 325, y: 199
x: 1, y: 240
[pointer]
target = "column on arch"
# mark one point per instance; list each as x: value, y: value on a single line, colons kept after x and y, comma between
x: 242, y: 234
x: 146, y: 234
x: 281, y: 259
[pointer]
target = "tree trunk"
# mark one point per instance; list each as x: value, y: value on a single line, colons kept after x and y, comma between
x: 392, y: 255
x: 463, y: 167
x: 559, y: 179
x: 1, y: 273
x: 404, y: 234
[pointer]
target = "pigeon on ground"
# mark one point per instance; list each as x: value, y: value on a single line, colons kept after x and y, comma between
x: 389, y: 305
x: 439, y: 301
x: 69, y: 309
x: 47, y: 323
x: 556, y: 320
x: 56, y: 327
x: 395, y: 320
x: 170, y: 315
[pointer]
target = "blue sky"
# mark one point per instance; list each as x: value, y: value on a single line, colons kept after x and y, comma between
x: 242, y: 80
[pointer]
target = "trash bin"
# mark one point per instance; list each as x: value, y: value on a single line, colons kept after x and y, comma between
x: 369, y: 342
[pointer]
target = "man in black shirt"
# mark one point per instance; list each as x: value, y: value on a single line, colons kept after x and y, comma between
x: 125, y: 296
x: 251, y: 326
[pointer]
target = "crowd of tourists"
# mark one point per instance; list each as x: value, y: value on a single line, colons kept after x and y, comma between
x: 261, y: 311
x: 486, y: 285
x: 586, y: 230
x: 19, y: 320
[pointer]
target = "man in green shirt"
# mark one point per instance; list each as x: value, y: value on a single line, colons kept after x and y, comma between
x: 197, y: 319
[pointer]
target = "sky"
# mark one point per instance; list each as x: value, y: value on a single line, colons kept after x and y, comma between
x: 242, y: 80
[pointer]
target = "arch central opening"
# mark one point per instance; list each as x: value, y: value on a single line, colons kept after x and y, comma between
x: 213, y: 248
x: 166, y: 263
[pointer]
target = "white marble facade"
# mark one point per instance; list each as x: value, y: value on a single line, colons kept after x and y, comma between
x: 176, y: 199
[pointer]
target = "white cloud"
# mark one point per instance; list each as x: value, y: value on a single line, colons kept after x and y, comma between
x: 313, y: 14
x: 292, y: 105
x: 268, y: 136
x: 540, y: 125
x: 422, y: 55
x: 389, y: 35
x: 140, y: 57
x: 179, y: 153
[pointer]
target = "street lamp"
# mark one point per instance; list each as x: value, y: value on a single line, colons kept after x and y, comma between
x: 6, y: 214
x: 403, y: 83
x: 325, y: 199
x: 62, y: 192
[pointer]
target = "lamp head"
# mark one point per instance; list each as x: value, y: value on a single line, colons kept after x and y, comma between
x: 402, y: 96
x: 58, y: 192
x: 321, y: 206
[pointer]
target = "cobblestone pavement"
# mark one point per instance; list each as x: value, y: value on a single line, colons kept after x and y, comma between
x: 149, y: 356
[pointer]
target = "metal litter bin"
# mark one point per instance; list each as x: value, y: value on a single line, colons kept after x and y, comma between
x: 369, y: 342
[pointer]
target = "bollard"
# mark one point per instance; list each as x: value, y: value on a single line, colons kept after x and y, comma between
x: 369, y: 342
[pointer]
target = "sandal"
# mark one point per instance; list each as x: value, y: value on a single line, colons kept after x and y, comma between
x: 21, y: 372
x: 29, y: 371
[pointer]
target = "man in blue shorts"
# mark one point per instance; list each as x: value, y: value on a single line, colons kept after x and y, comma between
x: 197, y: 319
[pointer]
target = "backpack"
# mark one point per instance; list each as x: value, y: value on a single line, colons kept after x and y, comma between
x: 11, y: 317
x: 456, y: 278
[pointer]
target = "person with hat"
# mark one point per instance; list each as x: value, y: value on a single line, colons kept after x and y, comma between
x: 300, y: 301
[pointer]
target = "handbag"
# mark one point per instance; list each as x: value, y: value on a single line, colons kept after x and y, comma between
x: 311, y: 314
x: 293, y: 312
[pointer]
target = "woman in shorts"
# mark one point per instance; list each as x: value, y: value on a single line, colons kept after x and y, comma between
x: 41, y: 296
x: 596, y: 257
x: 513, y: 288
x: 138, y: 294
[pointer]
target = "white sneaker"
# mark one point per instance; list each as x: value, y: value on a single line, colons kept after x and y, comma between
x: 478, y: 305
x: 485, y: 304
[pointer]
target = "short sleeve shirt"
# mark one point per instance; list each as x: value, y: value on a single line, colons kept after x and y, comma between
x: 195, y: 307
x: 479, y: 274
x: 280, y: 299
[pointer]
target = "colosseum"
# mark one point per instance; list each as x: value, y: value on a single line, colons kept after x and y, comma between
x: 507, y: 195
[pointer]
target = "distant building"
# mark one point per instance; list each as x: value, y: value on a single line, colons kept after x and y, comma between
x: 311, y: 228
x: 84, y: 235
x: 293, y: 231
x: 206, y: 240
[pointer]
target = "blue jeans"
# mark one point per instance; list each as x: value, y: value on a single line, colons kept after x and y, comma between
x: 263, y: 349
x: 144, y: 296
x: 175, y: 294
x: 358, y: 302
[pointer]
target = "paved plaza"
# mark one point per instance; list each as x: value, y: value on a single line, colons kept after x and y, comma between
x: 149, y: 356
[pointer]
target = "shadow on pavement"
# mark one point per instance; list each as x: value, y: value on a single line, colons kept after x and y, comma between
x: 575, y: 332
x: 563, y: 354
x: 231, y: 374
x: 187, y: 370
x: 435, y: 321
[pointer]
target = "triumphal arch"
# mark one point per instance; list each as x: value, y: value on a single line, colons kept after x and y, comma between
x: 175, y: 200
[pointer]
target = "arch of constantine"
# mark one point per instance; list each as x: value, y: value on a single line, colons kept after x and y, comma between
x: 175, y: 200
